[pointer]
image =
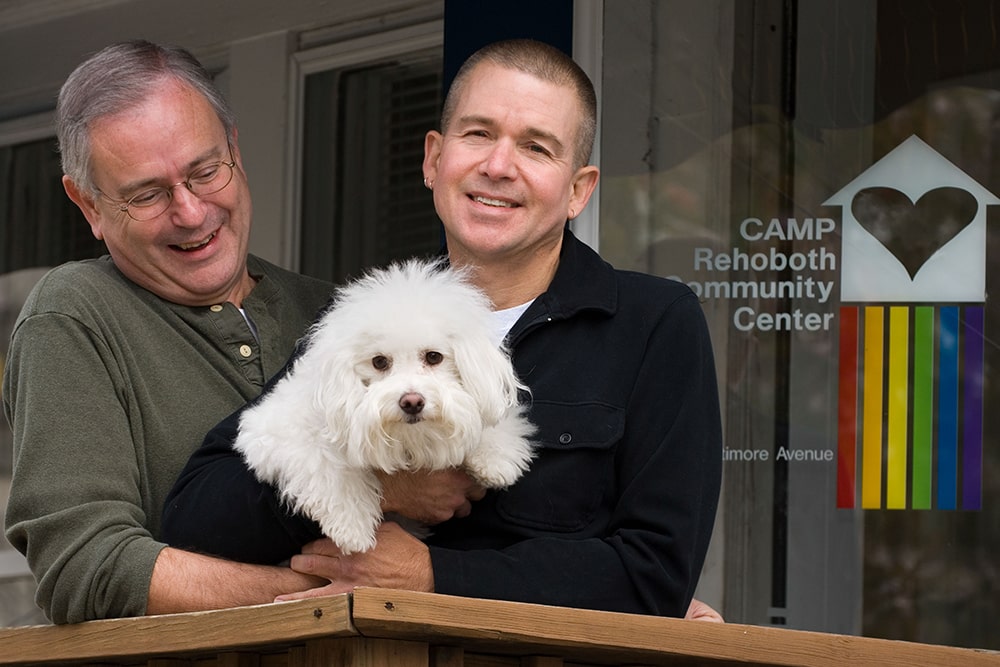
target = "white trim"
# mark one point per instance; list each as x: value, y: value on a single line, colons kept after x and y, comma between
x: 349, y: 52
x: 588, y: 51
x: 27, y: 128
x: 20, y: 13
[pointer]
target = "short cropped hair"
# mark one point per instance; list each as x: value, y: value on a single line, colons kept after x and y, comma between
x: 118, y: 78
x: 542, y: 61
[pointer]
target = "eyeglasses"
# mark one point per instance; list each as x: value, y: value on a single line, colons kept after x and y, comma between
x: 203, y: 181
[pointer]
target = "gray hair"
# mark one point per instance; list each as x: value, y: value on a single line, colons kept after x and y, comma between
x: 119, y: 78
x: 544, y: 62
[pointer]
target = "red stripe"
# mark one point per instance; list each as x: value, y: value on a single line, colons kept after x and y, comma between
x: 847, y: 417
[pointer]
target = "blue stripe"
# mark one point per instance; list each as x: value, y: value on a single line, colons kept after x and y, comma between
x: 947, y: 467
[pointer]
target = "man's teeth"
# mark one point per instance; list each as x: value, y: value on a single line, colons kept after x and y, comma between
x: 192, y: 246
x: 493, y: 202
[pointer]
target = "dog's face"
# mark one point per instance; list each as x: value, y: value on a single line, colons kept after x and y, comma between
x: 409, y: 385
x: 411, y: 373
x: 413, y: 405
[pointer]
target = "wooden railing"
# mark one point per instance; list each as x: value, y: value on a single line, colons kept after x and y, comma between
x: 403, y: 629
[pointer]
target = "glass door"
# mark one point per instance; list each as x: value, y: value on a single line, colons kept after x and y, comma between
x: 825, y: 176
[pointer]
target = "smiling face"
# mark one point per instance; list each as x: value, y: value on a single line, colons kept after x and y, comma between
x: 503, y: 172
x: 194, y: 253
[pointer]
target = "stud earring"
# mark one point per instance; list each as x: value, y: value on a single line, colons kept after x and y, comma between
x: 428, y: 184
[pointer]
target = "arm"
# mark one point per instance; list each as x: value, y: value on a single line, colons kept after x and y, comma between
x: 219, y: 507
x: 184, y: 581
x: 400, y: 562
x: 75, y: 508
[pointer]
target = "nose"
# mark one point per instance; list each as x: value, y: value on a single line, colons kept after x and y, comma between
x: 411, y: 403
x: 499, y: 163
x: 186, y: 208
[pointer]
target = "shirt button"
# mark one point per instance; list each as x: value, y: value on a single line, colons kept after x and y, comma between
x: 246, y: 350
x: 565, y: 438
x: 216, y: 308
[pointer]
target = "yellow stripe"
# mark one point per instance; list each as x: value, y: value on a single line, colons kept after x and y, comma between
x: 871, y: 428
x: 897, y: 394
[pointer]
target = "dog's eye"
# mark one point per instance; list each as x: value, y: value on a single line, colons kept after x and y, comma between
x: 433, y: 357
x: 381, y: 362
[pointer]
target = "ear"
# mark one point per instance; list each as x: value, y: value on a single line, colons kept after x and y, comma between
x: 336, y: 388
x: 86, y: 203
x: 487, y: 375
x: 235, y: 144
x: 581, y: 187
x: 432, y: 153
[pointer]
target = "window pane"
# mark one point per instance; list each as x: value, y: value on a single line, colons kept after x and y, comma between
x: 824, y: 175
x: 363, y: 197
x: 39, y: 225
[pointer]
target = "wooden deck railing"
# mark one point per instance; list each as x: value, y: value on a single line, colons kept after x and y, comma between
x: 374, y: 627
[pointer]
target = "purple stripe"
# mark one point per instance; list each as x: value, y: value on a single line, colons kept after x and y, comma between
x: 972, y: 411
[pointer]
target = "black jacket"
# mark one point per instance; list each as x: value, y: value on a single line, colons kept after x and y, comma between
x: 617, y: 509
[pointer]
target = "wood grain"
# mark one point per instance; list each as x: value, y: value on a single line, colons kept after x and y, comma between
x: 375, y: 628
x: 607, y: 638
x: 173, y: 634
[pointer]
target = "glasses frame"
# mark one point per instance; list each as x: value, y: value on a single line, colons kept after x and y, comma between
x: 125, y: 205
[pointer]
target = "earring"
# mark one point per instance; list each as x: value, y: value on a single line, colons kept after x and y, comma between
x: 428, y: 184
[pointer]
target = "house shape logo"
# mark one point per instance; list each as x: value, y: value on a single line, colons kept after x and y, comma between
x: 913, y: 242
x: 910, y: 393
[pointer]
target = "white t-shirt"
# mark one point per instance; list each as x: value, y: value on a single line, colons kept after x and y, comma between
x: 504, y: 319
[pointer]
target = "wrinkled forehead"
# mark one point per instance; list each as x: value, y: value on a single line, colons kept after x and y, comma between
x: 165, y: 134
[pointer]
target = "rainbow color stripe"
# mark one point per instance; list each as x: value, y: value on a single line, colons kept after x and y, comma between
x: 911, y: 396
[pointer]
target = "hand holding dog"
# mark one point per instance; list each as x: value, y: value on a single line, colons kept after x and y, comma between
x: 429, y: 497
x: 398, y: 560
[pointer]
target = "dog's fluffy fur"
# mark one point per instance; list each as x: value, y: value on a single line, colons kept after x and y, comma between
x: 402, y: 372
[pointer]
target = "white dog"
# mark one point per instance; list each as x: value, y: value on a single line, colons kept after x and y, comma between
x: 403, y: 372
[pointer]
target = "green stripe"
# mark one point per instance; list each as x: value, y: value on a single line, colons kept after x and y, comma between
x: 923, y: 405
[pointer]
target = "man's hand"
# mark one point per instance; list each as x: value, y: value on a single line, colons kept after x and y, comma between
x: 398, y: 560
x: 429, y: 497
x: 699, y: 611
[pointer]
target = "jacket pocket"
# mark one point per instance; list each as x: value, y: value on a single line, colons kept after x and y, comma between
x: 573, y: 470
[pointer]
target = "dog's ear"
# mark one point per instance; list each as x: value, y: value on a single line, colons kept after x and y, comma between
x: 335, y: 388
x: 487, y: 375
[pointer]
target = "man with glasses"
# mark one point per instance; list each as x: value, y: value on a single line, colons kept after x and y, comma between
x: 119, y: 365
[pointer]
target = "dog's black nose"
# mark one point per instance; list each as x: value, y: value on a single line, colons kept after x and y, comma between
x: 411, y: 403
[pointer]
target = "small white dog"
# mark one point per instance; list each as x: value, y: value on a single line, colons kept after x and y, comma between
x: 403, y: 372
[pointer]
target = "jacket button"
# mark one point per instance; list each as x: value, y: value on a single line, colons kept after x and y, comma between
x: 246, y: 350
x: 565, y: 438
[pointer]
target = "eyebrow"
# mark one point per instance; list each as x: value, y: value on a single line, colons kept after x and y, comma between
x: 530, y: 132
x: 209, y: 155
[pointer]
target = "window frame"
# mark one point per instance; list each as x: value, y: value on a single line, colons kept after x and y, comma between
x: 343, y: 54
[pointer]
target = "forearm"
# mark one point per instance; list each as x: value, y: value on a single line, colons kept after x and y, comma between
x: 586, y: 574
x: 219, y: 507
x: 186, y: 581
